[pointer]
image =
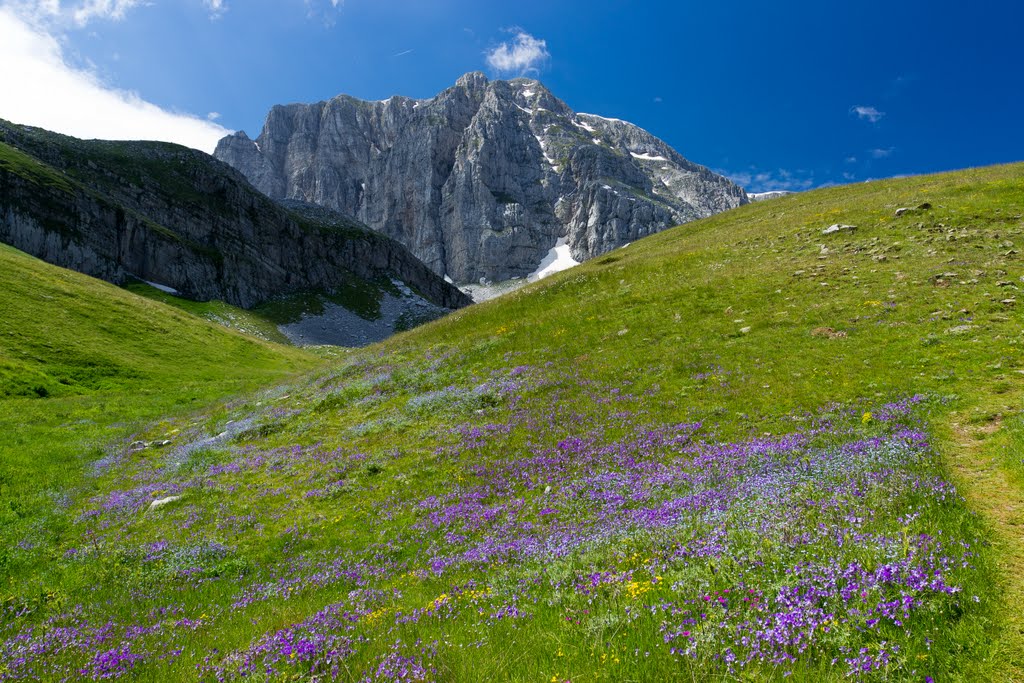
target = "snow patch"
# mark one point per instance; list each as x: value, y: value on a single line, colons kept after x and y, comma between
x: 543, y: 148
x: 647, y: 157
x: 528, y: 93
x: 586, y: 127
x: 605, y: 118
x: 559, y: 258
x: 163, y: 288
x: 448, y: 279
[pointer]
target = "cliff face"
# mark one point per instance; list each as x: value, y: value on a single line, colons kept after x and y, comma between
x: 175, y: 216
x: 481, y: 180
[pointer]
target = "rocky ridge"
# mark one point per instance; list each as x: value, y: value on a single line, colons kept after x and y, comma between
x: 175, y: 216
x: 483, y: 179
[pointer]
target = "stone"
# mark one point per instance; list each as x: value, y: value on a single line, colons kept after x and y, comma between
x: 481, y: 180
x: 838, y: 227
x: 163, y: 502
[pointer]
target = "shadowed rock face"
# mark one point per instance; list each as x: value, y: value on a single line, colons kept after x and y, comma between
x: 178, y: 217
x: 481, y: 180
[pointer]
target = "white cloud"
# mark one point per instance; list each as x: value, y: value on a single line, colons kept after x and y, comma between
x: 758, y: 180
x: 881, y: 153
x: 867, y: 113
x: 80, y: 13
x: 522, y: 55
x: 217, y: 8
x: 43, y: 90
x: 101, y: 9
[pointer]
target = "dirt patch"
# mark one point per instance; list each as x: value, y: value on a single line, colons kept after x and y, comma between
x: 828, y: 333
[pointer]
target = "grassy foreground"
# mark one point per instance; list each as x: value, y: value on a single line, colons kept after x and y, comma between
x: 84, y: 363
x: 742, y: 449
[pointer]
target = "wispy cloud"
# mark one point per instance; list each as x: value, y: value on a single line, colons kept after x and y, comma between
x: 523, y: 54
x: 758, y: 180
x: 217, y: 8
x: 325, y: 10
x: 44, y: 90
x: 79, y: 13
x: 865, y: 113
x: 403, y: 53
x: 881, y: 152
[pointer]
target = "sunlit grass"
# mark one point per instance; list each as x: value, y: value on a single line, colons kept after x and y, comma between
x: 707, y: 456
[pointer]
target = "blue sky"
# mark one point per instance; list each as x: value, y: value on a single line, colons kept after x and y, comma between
x: 789, y: 95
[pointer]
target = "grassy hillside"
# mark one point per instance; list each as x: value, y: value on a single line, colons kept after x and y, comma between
x: 84, y: 363
x: 743, y: 449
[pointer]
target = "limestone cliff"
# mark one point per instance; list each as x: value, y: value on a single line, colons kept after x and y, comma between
x: 481, y: 180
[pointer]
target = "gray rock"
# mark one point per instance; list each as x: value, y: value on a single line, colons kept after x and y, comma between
x: 481, y: 180
x: 163, y: 502
x: 765, y: 196
x: 838, y: 227
x: 180, y: 218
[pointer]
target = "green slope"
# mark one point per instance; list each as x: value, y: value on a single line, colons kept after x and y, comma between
x: 83, y: 362
x: 721, y: 453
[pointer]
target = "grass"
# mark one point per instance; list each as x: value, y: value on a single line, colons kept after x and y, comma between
x: 722, y: 453
x: 15, y: 161
x: 250, y: 323
x: 83, y: 363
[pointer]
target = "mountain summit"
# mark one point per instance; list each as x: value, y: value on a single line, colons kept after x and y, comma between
x: 482, y: 180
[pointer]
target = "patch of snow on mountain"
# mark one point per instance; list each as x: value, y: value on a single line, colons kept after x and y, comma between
x: 163, y: 288
x: 586, y: 127
x: 528, y: 93
x: 605, y: 118
x: 559, y: 258
x: 544, y: 151
x: 647, y: 157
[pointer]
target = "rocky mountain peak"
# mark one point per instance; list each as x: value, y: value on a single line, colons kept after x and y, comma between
x: 474, y: 80
x: 481, y: 180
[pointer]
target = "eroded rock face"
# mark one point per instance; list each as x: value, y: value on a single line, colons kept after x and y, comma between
x: 481, y: 180
x: 175, y: 216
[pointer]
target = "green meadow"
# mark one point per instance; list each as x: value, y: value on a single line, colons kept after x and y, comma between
x: 747, y: 448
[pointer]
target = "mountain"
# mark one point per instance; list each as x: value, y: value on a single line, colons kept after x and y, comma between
x: 764, y: 196
x: 482, y: 180
x: 189, y: 223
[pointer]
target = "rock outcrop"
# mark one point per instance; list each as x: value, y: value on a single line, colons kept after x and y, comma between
x: 171, y: 215
x: 483, y: 179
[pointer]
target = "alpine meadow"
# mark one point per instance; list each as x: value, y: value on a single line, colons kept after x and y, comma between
x: 748, y: 448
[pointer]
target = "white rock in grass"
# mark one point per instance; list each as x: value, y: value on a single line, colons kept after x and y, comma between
x: 161, y: 502
x: 838, y: 227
